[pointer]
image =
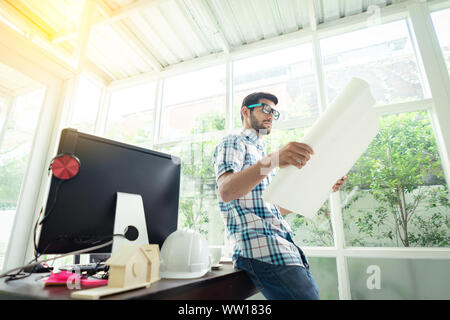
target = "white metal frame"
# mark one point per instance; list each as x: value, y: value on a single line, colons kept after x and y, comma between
x: 31, y: 66
x: 9, y: 101
x: 437, y: 75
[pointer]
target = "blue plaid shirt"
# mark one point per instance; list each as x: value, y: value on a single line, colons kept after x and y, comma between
x: 256, y: 228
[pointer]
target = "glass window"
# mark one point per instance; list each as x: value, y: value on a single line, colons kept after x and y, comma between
x: 396, y: 194
x: 289, y: 74
x: 130, y: 115
x: 15, y: 148
x: 198, y: 206
x: 3, y: 111
x: 381, y: 55
x: 307, y: 232
x: 86, y: 106
x: 194, y: 103
x: 399, y: 279
x: 324, y: 271
x: 441, y: 22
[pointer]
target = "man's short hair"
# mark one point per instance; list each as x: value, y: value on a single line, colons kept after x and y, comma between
x: 253, y: 98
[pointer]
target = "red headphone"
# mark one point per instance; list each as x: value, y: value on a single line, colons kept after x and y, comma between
x: 65, y: 166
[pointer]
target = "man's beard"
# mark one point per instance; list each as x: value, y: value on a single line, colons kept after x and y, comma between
x: 259, y: 126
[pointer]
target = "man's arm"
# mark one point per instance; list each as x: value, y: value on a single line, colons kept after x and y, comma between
x: 233, y: 185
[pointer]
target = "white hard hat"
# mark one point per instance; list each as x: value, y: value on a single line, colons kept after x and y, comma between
x: 184, y: 255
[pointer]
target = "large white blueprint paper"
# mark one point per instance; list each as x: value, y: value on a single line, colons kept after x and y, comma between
x: 339, y: 137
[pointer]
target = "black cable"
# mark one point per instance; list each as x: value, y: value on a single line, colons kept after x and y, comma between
x: 19, y: 270
x: 36, y: 254
x: 49, y: 211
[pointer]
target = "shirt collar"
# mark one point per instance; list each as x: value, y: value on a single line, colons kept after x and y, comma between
x: 251, y: 135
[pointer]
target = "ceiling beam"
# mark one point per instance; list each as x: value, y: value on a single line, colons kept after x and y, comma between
x: 109, y: 16
x: 126, y: 33
x: 98, y: 72
x: 174, y: 35
x: 81, y: 44
x: 32, y: 16
x: 15, y: 46
x: 131, y: 39
x: 12, y: 15
x: 104, y: 10
x: 32, y: 32
x: 134, y: 7
x: 215, y: 25
x: 312, y: 15
x: 194, y: 26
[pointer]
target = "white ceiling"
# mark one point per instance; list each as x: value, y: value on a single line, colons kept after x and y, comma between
x: 133, y: 37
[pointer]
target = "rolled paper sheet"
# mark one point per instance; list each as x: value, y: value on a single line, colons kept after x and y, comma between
x: 339, y: 137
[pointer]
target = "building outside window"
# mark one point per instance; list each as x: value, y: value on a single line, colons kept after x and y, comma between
x: 130, y: 115
x: 382, y: 55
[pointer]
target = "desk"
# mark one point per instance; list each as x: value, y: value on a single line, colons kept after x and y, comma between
x: 222, y: 284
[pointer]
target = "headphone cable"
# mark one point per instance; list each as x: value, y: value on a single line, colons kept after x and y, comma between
x: 49, y: 211
x: 19, y: 269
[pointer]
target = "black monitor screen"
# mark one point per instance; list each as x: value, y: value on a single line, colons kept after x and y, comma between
x: 83, y: 211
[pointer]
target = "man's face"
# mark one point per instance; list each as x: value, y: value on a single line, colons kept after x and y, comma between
x: 260, y: 121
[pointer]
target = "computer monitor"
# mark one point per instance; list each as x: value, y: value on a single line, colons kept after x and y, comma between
x: 83, y: 208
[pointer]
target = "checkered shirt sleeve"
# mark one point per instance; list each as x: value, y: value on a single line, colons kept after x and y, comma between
x: 229, y: 155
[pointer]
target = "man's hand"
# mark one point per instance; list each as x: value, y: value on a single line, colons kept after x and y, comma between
x: 339, y: 183
x: 294, y: 153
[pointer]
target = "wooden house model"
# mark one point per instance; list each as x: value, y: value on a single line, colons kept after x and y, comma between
x: 133, y: 265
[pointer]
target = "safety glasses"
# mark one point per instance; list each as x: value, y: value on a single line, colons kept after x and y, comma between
x: 267, y: 109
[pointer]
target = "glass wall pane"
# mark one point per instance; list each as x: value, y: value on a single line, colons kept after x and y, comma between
x: 194, y: 103
x: 15, y: 148
x: 441, y: 22
x: 396, y: 194
x: 86, y: 106
x: 288, y: 74
x: 2, y: 112
x: 398, y: 279
x: 324, y: 271
x: 381, y: 55
x: 307, y: 232
x: 198, y: 206
x: 130, y: 115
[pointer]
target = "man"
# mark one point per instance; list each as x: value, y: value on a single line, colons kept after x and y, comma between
x: 263, y: 244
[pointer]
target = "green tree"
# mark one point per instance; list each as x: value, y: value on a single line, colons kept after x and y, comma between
x: 402, y: 171
x: 197, y: 171
x: 319, y: 231
x: 11, y: 174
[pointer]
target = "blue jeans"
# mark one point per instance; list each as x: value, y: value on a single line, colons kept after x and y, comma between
x: 280, y: 282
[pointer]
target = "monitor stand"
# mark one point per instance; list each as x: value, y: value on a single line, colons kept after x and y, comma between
x: 130, y: 220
